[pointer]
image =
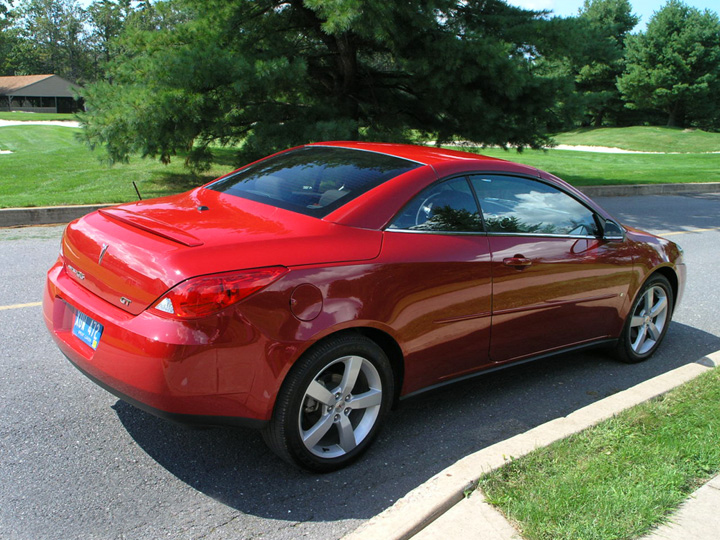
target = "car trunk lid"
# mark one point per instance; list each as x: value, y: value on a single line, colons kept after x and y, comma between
x: 130, y: 255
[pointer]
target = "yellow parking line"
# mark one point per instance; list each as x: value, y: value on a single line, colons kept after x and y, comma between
x: 690, y: 231
x: 18, y: 306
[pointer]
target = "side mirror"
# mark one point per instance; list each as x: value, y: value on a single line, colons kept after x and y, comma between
x: 612, y: 231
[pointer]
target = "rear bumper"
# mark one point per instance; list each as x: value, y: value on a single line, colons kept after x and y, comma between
x: 208, y: 372
x: 188, y: 419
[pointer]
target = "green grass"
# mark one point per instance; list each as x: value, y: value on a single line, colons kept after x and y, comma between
x: 26, y: 117
x: 49, y: 166
x: 619, y: 478
x: 594, y: 168
x: 644, y: 138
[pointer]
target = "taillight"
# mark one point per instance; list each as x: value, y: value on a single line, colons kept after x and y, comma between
x: 206, y: 295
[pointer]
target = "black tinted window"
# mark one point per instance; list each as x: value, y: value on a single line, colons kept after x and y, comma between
x: 313, y: 180
x: 521, y: 205
x: 448, y: 206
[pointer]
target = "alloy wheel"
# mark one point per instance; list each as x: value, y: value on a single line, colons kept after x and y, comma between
x: 340, y: 406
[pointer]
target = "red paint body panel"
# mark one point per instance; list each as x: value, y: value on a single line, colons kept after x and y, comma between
x: 233, y: 234
x: 572, y: 292
x: 449, y: 302
x: 183, y: 368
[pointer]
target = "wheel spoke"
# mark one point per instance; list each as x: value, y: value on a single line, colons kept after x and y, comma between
x: 636, y: 321
x: 352, y: 369
x: 649, y: 296
x: 658, y: 308
x: 347, y: 434
x: 640, y: 340
x: 367, y: 399
x: 653, y: 331
x: 319, y: 393
x: 313, y: 435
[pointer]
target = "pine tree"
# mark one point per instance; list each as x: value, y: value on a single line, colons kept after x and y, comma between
x: 267, y: 75
x: 674, y: 67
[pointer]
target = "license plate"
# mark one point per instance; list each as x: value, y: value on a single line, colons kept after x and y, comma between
x: 87, y: 329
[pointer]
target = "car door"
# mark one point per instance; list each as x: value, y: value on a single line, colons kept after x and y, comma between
x: 556, y: 282
x: 438, y: 262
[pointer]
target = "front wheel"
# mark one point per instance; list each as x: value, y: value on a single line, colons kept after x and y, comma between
x: 332, y: 404
x: 647, y: 322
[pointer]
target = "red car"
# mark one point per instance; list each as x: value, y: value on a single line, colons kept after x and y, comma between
x: 306, y: 292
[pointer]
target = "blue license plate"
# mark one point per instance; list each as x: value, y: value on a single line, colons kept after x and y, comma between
x: 87, y: 329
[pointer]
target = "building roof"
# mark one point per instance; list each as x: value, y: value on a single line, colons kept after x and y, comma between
x: 12, y: 84
x: 36, y: 85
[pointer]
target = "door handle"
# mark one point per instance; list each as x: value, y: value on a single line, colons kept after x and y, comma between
x: 517, y: 262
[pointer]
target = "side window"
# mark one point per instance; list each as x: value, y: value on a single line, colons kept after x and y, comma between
x: 520, y: 205
x: 447, y: 207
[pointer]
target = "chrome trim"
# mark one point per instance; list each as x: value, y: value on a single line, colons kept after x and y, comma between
x: 102, y: 253
x: 547, y: 235
x: 483, y: 233
x: 460, y: 233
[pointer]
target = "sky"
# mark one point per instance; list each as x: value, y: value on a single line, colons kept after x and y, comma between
x: 564, y: 8
x: 643, y: 8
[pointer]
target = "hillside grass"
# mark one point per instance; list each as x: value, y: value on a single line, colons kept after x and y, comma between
x: 619, y: 478
x: 644, y: 139
x: 49, y: 166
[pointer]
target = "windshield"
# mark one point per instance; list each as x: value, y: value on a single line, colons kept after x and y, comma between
x: 313, y: 180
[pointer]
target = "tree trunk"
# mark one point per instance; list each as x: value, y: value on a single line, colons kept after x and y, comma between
x: 598, y: 119
x: 347, y: 68
x: 676, y: 116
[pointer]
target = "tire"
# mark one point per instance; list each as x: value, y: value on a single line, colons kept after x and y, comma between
x: 647, y: 322
x: 331, y: 404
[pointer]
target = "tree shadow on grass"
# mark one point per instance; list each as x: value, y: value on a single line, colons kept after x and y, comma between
x: 163, y: 183
x: 167, y: 182
x: 425, y: 435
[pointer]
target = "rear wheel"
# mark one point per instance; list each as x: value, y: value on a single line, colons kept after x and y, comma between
x: 647, y: 322
x: 331, y: 404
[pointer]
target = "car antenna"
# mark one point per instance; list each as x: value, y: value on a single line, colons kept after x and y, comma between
x: 137, y: 190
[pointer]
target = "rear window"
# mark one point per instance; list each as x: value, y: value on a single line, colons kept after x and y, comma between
x: 313, y: 180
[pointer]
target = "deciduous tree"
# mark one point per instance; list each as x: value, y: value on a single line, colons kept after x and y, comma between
x: 107, y: 19
x: 51, y: 39
x: 7, y: 37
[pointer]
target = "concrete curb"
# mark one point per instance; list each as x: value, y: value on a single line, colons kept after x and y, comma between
x: 697, y: 517
x: 431, y: 500
x: 44, y: 215
x: 649, y: 189
x: 47, y: 215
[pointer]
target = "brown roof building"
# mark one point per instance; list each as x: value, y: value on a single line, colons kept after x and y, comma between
x: 38, y: 93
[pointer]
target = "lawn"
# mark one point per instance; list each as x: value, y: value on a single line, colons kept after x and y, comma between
x: 26, y: 117
x: 595, y: 168
x: 644, y: 139
x: 49, y: 166
x: 619, y: 478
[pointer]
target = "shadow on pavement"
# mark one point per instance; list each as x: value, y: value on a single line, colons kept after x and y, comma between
x: 699, y: 211
x: 426, y: 434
